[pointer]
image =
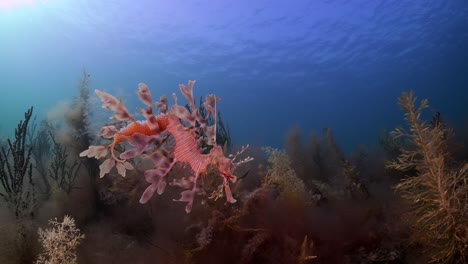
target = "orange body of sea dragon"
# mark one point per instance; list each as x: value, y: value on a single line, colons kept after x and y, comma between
x: 147, y: 136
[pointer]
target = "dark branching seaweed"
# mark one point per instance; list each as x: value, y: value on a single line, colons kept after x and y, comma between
x: 60, y: 171
x: 79, y: 121
x: 391, y: 145
x: 40, y: 142
x: 437, y: 120
x: 79, y: 124
x: 308, y: 160
x: 3, y: 141
x: 51, y: 159
x: 18, y: 186
x: 354, y: 186
x: 16, y: 172
x: 319, y: 161
x: 223, y: 135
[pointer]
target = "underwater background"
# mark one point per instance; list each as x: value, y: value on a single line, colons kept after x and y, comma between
x: 313, y: 87
x: 312, y: 64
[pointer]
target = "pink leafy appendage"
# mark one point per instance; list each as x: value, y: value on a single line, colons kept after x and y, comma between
x: 106, y: 166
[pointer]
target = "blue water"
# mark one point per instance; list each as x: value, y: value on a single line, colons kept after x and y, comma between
x: 275, y: 64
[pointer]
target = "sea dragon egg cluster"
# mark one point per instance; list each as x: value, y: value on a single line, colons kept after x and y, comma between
x: 167, y: 137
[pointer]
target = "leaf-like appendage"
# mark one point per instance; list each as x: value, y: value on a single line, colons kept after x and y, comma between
x: 145, y: 95
x: 106, y: 166
x: 188, y: 93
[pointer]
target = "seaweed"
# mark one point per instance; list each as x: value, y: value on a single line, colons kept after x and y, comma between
x: 16, y: 172
x: 438, y: 191
x: 60, y: 242
x: 223, y: 135
x: 79, y: 123
x: 318, y: 164
x: 267, y: 227
x: 77, y: 119
x: 60, y: 171
x: 18, y: 186
x: 38, y: 137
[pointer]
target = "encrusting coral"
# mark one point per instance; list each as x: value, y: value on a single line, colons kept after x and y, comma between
x: 171, y: 136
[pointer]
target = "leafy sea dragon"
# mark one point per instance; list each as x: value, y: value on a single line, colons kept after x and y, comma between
x: 148, y: 136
